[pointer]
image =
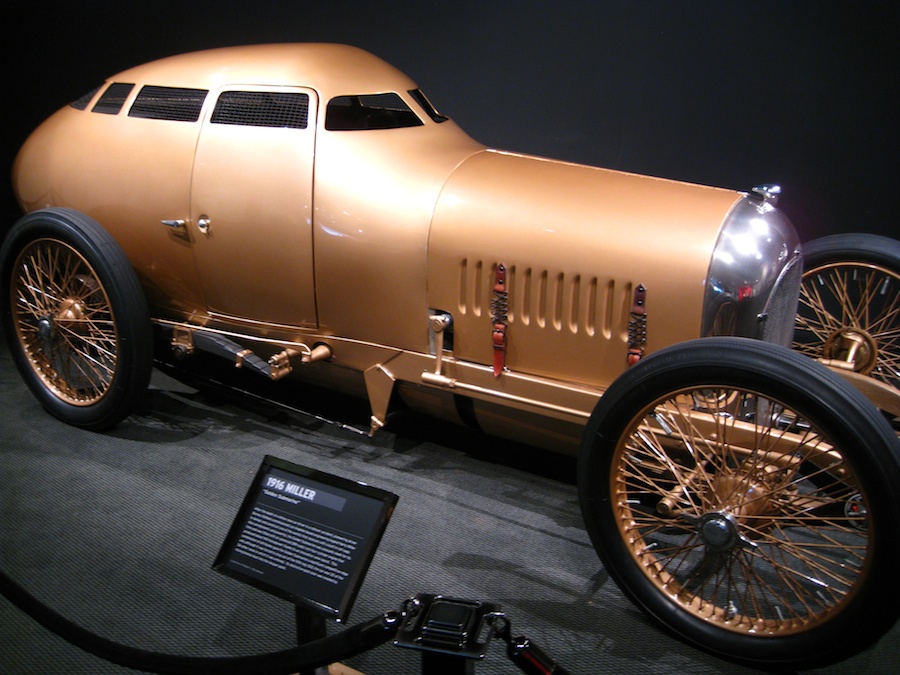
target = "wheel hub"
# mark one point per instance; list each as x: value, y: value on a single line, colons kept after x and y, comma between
x: 856, y: 512
x: 71, y: 315
x: 718, y: 531
x: 853, y: 347
x: 45, y: 328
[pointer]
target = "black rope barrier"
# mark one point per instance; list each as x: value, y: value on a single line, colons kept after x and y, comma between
x: 350, y: 642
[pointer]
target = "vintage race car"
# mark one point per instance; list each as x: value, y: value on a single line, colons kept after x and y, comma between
x: 304, y: 210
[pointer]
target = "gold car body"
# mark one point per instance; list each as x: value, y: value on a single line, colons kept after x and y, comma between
x: 367, y: 259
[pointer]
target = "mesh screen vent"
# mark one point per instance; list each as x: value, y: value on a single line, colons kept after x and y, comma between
x: 262, y: 109
x: 82, y: 103
x: 168, y: 103
x: 112, y: 100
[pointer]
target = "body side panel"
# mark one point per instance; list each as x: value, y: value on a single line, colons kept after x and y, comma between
x: 128, y: 174
x: 375, y: 193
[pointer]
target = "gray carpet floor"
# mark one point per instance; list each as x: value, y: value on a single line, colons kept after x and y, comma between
x: 118, y: 532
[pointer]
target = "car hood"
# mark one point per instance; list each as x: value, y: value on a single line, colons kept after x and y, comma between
x: 576, y: 241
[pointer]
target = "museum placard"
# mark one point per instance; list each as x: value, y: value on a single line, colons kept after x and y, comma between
x: 306, y: 536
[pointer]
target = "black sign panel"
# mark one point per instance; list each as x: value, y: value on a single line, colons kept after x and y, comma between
x: 306, y: 536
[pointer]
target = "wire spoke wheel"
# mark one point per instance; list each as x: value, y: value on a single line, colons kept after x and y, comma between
x: 75, y: 317
x: 64, y: 321
x: 744, y: 496
x: 756, y: 527
x: 849, y: 310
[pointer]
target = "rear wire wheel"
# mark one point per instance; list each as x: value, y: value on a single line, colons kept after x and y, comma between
x: 743, y: 496
x: 75, y: 317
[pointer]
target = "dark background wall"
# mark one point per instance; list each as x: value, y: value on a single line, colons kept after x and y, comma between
x: 732, y: 93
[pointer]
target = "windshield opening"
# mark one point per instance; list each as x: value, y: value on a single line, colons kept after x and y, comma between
x: 429, y: 109
x: 369, y: 111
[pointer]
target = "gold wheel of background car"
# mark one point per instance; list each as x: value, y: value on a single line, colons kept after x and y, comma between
x: 849, y: 310
x: 741, y: 494
x: 75, y: 317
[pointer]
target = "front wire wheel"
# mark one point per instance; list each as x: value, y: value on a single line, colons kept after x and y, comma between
x: 849, y: 310
x: 742, y: 495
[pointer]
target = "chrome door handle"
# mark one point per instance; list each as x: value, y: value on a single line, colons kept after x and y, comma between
x: 174, y: 224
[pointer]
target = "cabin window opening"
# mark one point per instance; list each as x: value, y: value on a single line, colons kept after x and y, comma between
x: 369, y: 111
x: 112, y: 100
x: 429, y: 109
x: 262, y: 109
x: 168, y: 103
x: 81, y: 103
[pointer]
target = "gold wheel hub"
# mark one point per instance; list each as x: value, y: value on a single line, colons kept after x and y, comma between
x: 851, y: 348
x: 741, y: 496
x: 71, y: 315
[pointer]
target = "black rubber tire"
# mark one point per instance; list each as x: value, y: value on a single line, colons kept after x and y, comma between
x: 852, y: 281
x: 852, y: 247
x: 611, y: 484
x: 79, y: 332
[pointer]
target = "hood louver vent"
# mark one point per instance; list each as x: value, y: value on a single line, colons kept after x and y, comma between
x: 565, y: 303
